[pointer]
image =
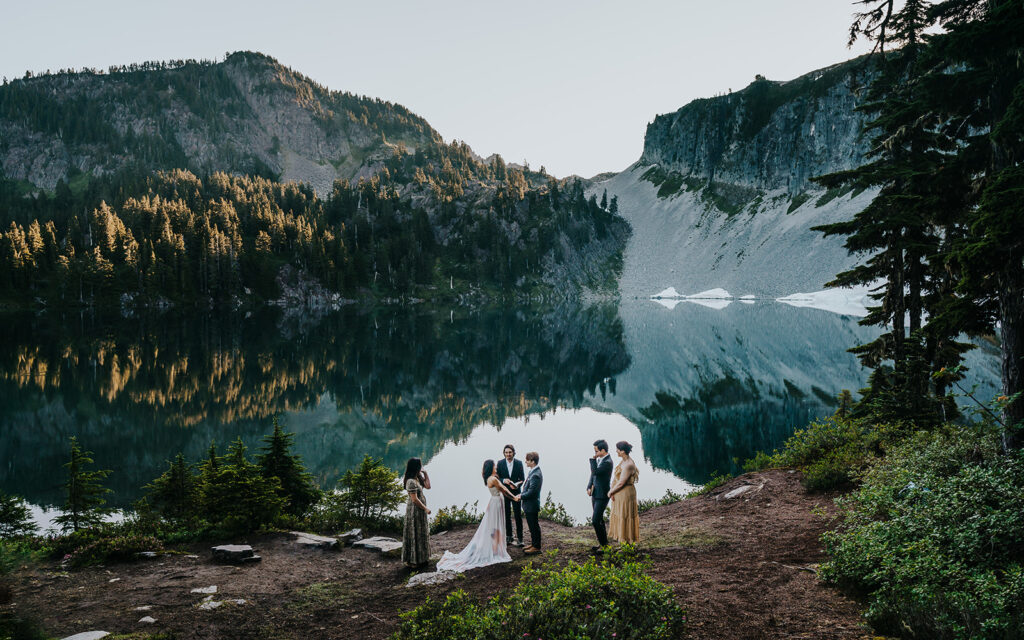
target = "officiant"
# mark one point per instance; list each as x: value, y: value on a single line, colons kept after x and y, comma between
x: 511, y: 474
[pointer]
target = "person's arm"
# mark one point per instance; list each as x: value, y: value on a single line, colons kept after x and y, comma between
x: 424, y: 479
x: 503, y: 489
x: 618, y: 485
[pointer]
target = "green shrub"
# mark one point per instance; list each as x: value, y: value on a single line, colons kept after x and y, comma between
x: 670, y: 497
x: 447, y: 517
x: 112, y: 549
x: 14, y: 553
x: 329, y: 514
x: 712, y: 484
x: 611, y: 598
x: 934, y: 538
x: 371, y: 492
x: 555, y: 512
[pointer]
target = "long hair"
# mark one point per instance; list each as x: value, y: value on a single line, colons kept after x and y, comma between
x: 412, y: 470
x: 488, y: 469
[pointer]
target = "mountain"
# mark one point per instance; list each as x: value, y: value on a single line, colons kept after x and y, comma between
x: 248, y: 114
x: 721, y: 196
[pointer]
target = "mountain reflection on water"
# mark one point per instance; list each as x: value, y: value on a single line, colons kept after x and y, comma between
x: 703, y: 386
x: 392, y: 382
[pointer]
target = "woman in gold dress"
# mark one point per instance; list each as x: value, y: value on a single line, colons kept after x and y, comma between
x: 624, y: 525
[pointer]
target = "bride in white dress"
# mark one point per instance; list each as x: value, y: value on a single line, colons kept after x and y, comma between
x: 488, y: 543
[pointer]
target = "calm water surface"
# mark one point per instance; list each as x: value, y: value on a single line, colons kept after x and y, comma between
x: 693, y: 388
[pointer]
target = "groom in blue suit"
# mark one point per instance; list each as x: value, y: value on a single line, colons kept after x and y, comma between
x: 530, y: 498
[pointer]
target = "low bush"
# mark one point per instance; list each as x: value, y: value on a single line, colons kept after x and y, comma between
x: 447, y: 517
x: 833, y: 451
x: 112, y: 549
x: 670, y: 497
x: 555, y: 512
x: 712, y: 484
x: 611, y: 598
x: 934, y: 538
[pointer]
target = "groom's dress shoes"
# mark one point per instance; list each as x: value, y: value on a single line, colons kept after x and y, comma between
x: 531, y: 550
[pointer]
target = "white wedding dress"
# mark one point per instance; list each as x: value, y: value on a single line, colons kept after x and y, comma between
x: 488, y: 543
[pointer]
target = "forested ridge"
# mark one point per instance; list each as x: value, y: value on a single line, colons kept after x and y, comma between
x: 147, y: 214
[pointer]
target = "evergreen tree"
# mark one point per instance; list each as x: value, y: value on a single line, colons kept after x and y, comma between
x: 15, y: 517
x: 175, y: 494
x: 371, y: 490
x: 276, y: 461
x: 84, y: 505
x: 237, y: 496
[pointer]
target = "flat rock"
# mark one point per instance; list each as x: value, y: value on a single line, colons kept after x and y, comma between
x: 210, y: 589
x: 386, y: 546
x: 350, y: 537
x: 147, y: 620
x: 88, y: 635
x: 145, y: 607
x: 232, y: 552
x: 147, y: 554
x: 739, y: 491
x: 313, y: 540
x: 431, y: 577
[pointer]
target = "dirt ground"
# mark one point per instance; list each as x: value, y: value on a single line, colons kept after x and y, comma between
x: 741, y: 568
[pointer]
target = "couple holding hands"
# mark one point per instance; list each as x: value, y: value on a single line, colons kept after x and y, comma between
x: 516, y: 491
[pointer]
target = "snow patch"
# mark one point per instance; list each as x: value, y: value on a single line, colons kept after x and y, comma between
x: 668, y: 304
x: 667, y: 293
x: 848, y: 302
x: 711, y: 294
x: 710, y: 303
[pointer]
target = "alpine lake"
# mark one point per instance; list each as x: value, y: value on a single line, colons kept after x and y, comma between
x: 696, y: 389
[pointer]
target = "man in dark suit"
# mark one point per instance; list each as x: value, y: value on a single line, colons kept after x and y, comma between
x: 510, y: 473
x: 597, y: 489
x: 530, y: 498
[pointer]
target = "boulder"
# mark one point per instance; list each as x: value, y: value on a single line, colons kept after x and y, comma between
x: 237, y: 553
x: 210, y: 589
x: 147, y: 555
x: 350, y: 537
x: 313, y: 540
x: 431, y: 577
x: 147, y: 620
x: 88, y: 635
x: 389, y: 547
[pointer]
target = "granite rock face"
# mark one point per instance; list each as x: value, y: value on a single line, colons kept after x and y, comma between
x: 721, y: 196
x: 771, y: 135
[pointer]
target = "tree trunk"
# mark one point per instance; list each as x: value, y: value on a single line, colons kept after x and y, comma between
x: 1011, y: 317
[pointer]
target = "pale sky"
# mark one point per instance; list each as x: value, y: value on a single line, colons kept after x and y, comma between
x: 568, y: 85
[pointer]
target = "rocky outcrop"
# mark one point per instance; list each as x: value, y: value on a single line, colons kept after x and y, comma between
x: 722, y: 197
x: 771, y: 135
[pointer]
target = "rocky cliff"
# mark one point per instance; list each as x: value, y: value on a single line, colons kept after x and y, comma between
x: 721, y: 196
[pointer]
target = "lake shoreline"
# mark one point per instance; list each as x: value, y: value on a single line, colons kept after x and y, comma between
x: 742, y: 560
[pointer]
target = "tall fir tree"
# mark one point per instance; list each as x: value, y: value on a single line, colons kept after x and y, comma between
x: 277, y: 461
x: 175, y: 494
x: 84, y: 505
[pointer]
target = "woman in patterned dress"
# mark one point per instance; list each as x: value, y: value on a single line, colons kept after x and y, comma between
x: 416, y: 536
x: 624, y: 524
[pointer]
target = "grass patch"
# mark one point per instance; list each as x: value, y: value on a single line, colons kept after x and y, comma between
x: 689, y: 537
x: 321, y: 595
